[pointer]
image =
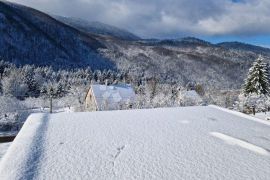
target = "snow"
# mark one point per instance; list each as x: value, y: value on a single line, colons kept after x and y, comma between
x: 113, y: 95
x: 170, y: 143
x: 262, y: 115
x: 241, y: 115
x: 243, y: 144
x: 3, y: 149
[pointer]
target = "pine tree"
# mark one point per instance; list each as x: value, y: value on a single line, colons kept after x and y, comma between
x: 257, y: 81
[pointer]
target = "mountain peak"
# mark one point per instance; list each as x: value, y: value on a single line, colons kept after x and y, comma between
x: 195, y: 40
x: 245, y: 47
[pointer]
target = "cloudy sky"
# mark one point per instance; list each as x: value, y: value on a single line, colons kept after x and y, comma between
x: 213, y: 20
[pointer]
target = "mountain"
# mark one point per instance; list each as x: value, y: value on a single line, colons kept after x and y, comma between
x: 97, y: 28
x: 245, y: 47
x: 187, y: 41
x: 206, y: 64
x: 29, y: 36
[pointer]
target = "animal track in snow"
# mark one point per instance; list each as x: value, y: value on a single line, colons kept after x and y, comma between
x: 119, y: 150
x: 212, y: 119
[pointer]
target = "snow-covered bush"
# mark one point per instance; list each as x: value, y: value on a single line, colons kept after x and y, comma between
x: 9, y: 104
x: 260, y: 103
x: 12, y: 114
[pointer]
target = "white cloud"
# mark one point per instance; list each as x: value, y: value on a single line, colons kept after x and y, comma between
x: 168, y: 18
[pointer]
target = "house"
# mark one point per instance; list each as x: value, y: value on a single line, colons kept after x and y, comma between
x: 204, y: 142
x: 109, y: 97
x: 189, y: 98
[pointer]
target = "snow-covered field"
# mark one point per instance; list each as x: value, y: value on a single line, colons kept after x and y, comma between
x: 169, y: 143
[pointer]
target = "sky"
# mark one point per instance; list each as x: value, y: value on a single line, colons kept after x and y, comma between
x: 213, y: 20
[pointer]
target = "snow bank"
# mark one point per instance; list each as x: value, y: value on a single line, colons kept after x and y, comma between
x: 168, y: 143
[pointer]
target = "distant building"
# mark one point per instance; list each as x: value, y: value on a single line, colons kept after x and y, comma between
x: 112, y: 97
x: 189, y: 98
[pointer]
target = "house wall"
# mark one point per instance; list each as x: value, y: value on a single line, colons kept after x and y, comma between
x: 105, y: 104
x: 90, y: 104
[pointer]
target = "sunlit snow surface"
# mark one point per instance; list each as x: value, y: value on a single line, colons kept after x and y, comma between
x: 170, y: 143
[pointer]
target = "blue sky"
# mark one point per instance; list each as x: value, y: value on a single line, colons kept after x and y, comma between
x: 214, y: 20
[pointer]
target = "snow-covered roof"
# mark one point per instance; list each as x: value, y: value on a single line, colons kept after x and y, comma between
x: 112, y: 96
x: 170, y: 143
x: 191, y: 94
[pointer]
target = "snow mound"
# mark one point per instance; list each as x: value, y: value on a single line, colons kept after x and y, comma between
x: 169, y: 143
x: 238, y: 142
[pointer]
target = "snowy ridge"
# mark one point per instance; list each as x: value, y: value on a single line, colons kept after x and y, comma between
x: 241, y: 115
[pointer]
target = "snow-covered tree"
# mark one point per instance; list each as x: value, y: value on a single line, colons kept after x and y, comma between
x: 13, y: 85
x: 257, y: 81
x: 256, y: 88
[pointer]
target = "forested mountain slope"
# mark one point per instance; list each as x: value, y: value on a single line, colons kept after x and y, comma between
x: 32, y: 37
x: 182, y: 61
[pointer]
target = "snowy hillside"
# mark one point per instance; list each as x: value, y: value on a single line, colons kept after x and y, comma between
x: 29, y: 36
x: 170, y: 143
x: 97, y: 28
x: 245, y: 47
x: 182, y: 61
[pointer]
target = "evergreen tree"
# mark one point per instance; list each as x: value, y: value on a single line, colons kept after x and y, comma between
x: 257, y: 81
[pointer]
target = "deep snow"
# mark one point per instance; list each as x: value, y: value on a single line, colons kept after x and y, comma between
x: 169, y: 143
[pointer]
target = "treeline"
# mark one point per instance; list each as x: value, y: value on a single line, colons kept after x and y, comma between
x: 29, y: 81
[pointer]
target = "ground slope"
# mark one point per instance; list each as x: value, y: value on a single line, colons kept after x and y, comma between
x: 29, y: 36
x: 170, y: 143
